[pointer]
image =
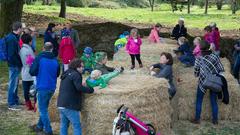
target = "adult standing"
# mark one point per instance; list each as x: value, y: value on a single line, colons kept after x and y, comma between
x: 50, y: 36
x: 73, y: 34
x: 179, y: 30
x: 14, y: 65
x: 207, y: 63
x: 46, y: 69
x: 70, y: 97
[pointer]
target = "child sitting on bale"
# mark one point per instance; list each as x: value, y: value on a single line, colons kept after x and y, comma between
x: 97, y: 79
x: 197, y: 51
x: 88, y: 60
x: 186, y: 57
x: 121, y: 42
x: 165, y: 66
x: 154, y: 35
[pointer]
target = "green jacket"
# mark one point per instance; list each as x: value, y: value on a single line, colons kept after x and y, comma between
x: 121, y: 41
x: 88, y: 62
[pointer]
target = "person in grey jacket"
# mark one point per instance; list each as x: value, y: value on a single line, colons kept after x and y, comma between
x: 73, y: 34
x: 27, y: 56
x: 165, y: 66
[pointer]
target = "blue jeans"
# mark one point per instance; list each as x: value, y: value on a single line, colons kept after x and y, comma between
x: 89, y: 70
x: 13, y: 86
x: 213, y: 99
x: 236, y: 67
x: 67, y: 116
x: 44, y: 97
x: 187, y: 59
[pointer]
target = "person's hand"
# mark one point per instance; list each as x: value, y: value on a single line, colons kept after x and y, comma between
x: 84, y: 84
x: 151, y: 68
x: 153, y: 73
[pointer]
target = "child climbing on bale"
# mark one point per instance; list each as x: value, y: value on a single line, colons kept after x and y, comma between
x: 101, y: 61
x: 133, y: 47
x: 121, y: 42
x: 97, y: 79
x: 197, y: 51
x: 186, y: 57
x: 88, y: 60
x: 208, y: 37
x: 154, y: 35
x: 165, y: 66
x: 216, y: 37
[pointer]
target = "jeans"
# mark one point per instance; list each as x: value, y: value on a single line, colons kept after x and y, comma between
x: 236, y: 67
x: 13, y: 98
x: 89, y: 70
x: 213, y: 99
x: 67, y: 116
x: 187, y: 59
x: 44, y: 97
x: 26, y: 88
x: 138, y: 57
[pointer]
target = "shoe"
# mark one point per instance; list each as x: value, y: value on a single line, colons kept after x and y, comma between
x: 195, y: 121
x: 29, y: 105
x: 35, y: 128
x: 132, y: 67
x: 140, y: 65
x: 121, y: 70
x: 215, y: 122
x: 14, y: 108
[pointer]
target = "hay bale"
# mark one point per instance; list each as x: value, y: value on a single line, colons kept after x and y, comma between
x: 186, y: 96
x: 146, y: 97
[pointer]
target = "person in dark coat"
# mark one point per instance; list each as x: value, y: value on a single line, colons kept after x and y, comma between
x: 179, y: 30
x: 70, y: 97
x: 50, y: 36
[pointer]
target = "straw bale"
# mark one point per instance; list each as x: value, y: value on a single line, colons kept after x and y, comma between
x: 186, y: 96
x: 146, y: 97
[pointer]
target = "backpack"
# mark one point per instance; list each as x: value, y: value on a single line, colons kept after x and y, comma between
x: 3, y: 50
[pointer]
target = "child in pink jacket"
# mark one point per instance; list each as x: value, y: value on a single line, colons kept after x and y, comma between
x: 197, y: 51
x: 154, y: 37
x: 133, y: 47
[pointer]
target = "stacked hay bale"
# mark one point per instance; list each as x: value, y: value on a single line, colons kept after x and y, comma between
x: 146, y: 97
x: 186, y: 96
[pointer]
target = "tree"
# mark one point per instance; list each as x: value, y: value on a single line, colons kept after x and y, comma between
x: 10, y: 11
x: 219, y: 4
x: 47, y: 2
x: 63, y: 9
x: 206, y: 6
x: 151, y: 3
x: 189, y: 3
x: 234, y: 6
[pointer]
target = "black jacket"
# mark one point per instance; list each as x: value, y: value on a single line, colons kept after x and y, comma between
x: 224, y: 95
x: 179, y: 31
x: 71, y: 89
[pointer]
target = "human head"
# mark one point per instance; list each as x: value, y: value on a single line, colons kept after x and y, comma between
x: 95, y: 74
x: 27, y: 39
x: 51, y: 27
x: 197, y: 41
x: 213, y: 25
x: 126, y: 34
x: 87, y: 50
x: 68, y: 25
x: 208, y: 29
x: 27, y: 31
x: 76, y: 64
x: 204, y: 45
x: 182, y: 40
x: 101, y: 57
x: 134, y: 33
x: 166, y: 58
x: 48, y: 46
x: 158, y: 26
x: 17, y: 27
x: 181, y: 21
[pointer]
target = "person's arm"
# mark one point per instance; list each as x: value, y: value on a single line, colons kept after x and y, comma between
x: 127, y: 46
x: 110, y: 69
x: 156, y: 36
x: 76, y: 39
x: 184, y: 32
x: 164, y: 72
x: 139, y: 41
x: 35, y: 67
x: 197, y: 67
x: 158, y: 65
x: 236, y: 47
x: 77, y: 81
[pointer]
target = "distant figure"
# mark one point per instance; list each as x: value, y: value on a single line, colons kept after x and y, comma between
x: 133, y: 47
x: 33, y: 33
x: 73, y: 34
x: 154, y: 35
x: 50, y: 36
x: 236, y: 67
x: 14, y: 65
x: 216, y: 37
x: 179, y: 30
x: 165, y: 66
x: 88, y: 60
x: 197, y: 50
x: 121, y: 41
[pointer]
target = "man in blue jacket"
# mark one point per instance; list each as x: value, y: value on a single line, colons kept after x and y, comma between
x: 46, y: 69
x: 14, y: 65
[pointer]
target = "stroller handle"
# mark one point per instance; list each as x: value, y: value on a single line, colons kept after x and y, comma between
x: 119, y: 109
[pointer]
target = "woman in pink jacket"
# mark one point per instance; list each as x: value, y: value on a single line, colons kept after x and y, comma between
x: 133, y: 47
x: 154, y: 37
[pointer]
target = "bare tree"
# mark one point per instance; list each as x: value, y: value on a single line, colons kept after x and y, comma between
x: 219, y: 4
x: 63, y: 9
x: 189, y: 4
x: 206, y: 6
x: 151, y: 3
x: 234, y: 6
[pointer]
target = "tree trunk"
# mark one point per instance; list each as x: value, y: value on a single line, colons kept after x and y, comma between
x: 151, y: 3
x: 189, y: 3
x: 10, y: 12
x: 234, y: 6
x: 46, y: 2
x: 206, y: 6
x: 219, y: 4
x: 63, y: 9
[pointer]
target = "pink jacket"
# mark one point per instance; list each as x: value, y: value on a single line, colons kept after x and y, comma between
x: 197, y: 51
x: 133, y: 47
x: 154, y: 37
x: 66, y: 50
x: 216, y: 38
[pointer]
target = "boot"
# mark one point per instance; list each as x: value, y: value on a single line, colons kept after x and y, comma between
x: 35, y: 107
x: 140, y: 65
x: 132, y: 67
x: 29, y: 105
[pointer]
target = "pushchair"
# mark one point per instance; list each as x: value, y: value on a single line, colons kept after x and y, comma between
x: 127, y: 124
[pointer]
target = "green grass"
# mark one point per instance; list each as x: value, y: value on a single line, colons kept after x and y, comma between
x: 162, y: 14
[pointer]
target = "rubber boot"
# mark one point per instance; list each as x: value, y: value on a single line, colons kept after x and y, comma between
x: 29, y: 105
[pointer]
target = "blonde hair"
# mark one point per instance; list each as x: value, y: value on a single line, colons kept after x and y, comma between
x: 198, y: 39
x: 133, y: 31
x: 182, y: 40
x: 95, y: 74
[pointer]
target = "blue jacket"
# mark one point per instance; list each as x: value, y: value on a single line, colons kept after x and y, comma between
x: 13, y: 48
x: 46, y: 69
x: 185, y: 49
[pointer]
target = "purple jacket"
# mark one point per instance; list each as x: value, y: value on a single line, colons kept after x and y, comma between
x: 132, y: 46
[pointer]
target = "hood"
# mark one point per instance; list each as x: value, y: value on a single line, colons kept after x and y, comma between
x: 48, y: 55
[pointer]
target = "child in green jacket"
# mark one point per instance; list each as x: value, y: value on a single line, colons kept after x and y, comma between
x: 121, y: 42
x: 88, y: 60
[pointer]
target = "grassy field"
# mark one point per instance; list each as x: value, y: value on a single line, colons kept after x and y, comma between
x: 162, y: 14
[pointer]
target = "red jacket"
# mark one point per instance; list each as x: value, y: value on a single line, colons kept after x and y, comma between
x: 66, y: 50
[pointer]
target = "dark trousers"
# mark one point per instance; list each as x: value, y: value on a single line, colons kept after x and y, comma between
x: 236, y: 67
x: 26, y: 88
x: 138, y: 57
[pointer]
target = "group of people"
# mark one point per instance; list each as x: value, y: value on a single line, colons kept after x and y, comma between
x: 41, y: 72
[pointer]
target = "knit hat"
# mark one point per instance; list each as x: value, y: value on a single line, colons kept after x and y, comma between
x: 99, y: 56
x: 213, y: 24
x: 87, y: 50
x: 65, y: 33
x: 126, y: 33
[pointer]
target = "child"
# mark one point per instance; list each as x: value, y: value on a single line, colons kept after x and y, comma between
x: 121, y: 42
x: 66, y: 50
x: 154, y: 37
x: 197, y: 51
x: 133, y: 47
x: 186, y: 57
x: 209, y: 38
x: 236, y: 67
x: 101, y: 61
x: 165, y: 66
x: 215, y: 37
x: 88, y: 60
x: 97, y: 79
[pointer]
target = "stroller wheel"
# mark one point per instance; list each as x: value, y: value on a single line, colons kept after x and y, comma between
x: 151, y: 130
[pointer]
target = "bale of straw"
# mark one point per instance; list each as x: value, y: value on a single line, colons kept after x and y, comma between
x: 186, y: 96
x: 146, y: 97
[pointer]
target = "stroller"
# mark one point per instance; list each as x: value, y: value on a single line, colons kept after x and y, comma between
x: 127, y: 124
